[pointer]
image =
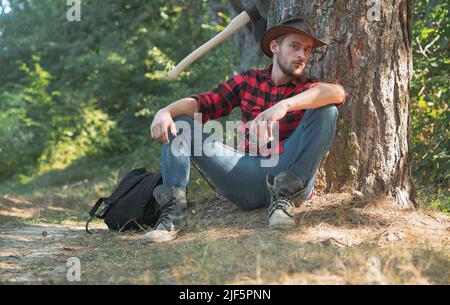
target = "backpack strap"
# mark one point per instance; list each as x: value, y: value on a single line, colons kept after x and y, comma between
x: 93, y: 212
x: 122, y: 190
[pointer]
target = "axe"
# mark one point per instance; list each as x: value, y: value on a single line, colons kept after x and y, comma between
x: 259, y: 25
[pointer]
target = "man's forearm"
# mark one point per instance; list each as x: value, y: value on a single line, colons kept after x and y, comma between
x: 186, y: 106
x: 316, y: 97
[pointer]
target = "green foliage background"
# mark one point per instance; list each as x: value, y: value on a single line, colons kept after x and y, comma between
x: 89, y: 89
x: 430, y: 112
x: 85, y: 92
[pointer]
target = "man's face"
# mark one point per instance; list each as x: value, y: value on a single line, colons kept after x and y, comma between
x: 293, y: 53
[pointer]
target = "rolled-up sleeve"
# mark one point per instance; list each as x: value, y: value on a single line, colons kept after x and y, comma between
x: 220, y: 101
x: 315, y: 83
x: 345, y: 93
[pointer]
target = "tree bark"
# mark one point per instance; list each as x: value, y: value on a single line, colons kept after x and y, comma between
x: 370, y: 54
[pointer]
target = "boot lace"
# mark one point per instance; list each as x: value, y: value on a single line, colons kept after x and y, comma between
x: 281, y: 203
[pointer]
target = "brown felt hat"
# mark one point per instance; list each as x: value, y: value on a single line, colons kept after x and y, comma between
x: 290, y: 26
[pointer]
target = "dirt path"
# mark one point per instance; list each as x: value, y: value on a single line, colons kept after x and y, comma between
x: 26, y: 247
x: 340, y: 239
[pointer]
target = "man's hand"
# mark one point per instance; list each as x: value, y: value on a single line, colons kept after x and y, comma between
x: 267, y: 119
x: 161, y: 123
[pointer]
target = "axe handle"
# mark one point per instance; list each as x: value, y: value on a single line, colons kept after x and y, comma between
x: 235, y: 24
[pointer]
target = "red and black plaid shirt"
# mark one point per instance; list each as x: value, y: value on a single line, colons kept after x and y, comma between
x: 254, y: 91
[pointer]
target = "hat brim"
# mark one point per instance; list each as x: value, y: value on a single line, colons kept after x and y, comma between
x: 280, y: 30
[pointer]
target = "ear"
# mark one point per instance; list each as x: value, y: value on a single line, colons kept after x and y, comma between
x: 274, y: 47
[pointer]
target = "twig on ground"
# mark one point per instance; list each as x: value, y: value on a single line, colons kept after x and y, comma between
x: 345, y: 245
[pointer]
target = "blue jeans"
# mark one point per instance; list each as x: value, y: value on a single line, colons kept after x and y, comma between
x: 239, y: 177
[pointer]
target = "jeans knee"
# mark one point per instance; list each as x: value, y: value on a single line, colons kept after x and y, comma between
x: 329, y: 112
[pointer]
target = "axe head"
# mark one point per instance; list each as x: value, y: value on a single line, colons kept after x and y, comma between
x: 259, y: 23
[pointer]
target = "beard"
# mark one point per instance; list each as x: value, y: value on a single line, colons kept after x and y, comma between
x: 289, y: 68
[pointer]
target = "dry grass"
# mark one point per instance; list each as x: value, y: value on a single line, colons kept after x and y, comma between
x: 341, y: 239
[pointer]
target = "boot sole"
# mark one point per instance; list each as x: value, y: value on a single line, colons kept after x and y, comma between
x: 286, y: 226
x: 158, y: 237
x: 279, y: 220
x: 283, y: 225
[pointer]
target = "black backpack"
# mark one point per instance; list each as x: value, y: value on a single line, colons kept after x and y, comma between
x: 131, y: 205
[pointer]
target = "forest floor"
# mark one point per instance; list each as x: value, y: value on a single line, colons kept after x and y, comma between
x: 340, y: 239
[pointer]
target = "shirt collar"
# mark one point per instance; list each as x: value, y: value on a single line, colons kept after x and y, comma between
x: 267, y: 72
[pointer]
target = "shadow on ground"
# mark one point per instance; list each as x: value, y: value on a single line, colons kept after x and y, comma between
x: 340, y: 239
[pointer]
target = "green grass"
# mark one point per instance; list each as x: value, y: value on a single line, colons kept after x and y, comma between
x: 436, y: 198
x: 97, y: 177
x: 66, y: 196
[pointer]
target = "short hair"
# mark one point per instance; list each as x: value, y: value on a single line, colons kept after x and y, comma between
x: 281, y: 38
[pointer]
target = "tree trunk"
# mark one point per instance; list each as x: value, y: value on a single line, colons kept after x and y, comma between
x: 370, y: 54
